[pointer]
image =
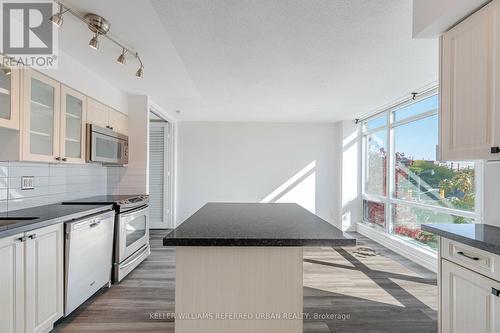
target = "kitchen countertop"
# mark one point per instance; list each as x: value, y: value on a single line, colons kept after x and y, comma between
x: 482, y: 236
x: 45, y: 216
x: 100, y: 199
x: 256, y: 224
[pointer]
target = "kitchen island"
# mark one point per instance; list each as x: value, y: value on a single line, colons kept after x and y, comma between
x: 239, y: 266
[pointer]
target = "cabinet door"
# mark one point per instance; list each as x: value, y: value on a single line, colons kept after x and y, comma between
x: 467, y: 84
x: 44, y: 278
x: 97, y: 113
x: 118, y: 121
x: 73, y: 121
x: 10, y: 86
x: 41, y: 118
x: 467, y: 300
x: 12, y: 284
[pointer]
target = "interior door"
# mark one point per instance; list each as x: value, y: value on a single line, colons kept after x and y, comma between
x: 159, y: 176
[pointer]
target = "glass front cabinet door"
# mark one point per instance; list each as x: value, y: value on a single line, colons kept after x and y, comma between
x: 9, y: 96
x: 73, y: 120
x: 41, y: 118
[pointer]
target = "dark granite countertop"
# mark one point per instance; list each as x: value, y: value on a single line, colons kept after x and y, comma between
x: 482, y: 236
x: 45, y: 216
x: 256, y: 224
x: 100, y: 199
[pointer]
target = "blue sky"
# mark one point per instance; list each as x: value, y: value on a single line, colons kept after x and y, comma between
x: 416, y: 139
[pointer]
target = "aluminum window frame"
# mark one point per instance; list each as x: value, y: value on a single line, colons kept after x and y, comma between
x: 389, y: 199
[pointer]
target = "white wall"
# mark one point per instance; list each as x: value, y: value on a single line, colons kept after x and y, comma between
x: 53, y: 183
x: 134, y: 179
x: 350, y: 210
x: 77, y: 76
x: 258, y: 162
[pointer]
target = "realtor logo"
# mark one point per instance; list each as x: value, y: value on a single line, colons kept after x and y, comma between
x: 28, y: 36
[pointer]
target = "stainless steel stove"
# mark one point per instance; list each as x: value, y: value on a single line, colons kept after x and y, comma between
x: 131, y: 241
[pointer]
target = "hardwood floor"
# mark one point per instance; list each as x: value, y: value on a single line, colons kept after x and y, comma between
x: 366, y: 288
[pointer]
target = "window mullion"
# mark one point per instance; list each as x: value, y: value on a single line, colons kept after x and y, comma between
x: 390, y: 171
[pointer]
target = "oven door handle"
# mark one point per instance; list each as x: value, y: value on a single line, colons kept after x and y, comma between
x: 136, y: 255
x: 136, y: 212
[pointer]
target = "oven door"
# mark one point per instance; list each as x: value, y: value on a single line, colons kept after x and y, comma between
x: 108, y: 149
x: 133, y: 232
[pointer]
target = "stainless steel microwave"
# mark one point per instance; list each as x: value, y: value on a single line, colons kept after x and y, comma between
x: 106, y: 146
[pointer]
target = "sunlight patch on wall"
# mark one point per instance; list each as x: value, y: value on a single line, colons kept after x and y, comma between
x: 300, y: 189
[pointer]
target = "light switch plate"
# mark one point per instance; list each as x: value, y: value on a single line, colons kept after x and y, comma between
x: 27, y: 183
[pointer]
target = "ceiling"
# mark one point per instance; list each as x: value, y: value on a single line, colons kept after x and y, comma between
x: 261, y: 60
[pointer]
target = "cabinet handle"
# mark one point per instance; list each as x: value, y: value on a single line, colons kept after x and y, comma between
x: 495, y: 150
x: 33, y: 236
x: 58, y: 158
x: 466, y: 256
x: 64, y: 159
x: 22, y: 239
x: 495, y: 292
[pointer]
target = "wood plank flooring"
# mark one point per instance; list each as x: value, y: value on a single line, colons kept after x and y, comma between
x: 366, y: 288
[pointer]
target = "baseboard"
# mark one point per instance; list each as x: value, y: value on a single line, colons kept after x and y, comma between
x: 420, y: 256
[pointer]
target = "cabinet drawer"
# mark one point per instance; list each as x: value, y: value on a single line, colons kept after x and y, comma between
x: 477, y: 260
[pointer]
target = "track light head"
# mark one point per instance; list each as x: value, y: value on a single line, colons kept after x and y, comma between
x: 57, y: 19
x: 140, y: 72
x: 121, y: 59
x: 94, y: 42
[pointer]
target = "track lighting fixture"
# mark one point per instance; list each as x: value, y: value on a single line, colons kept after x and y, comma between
x: 94, y: 42
x: 121, y: 59
x: 57, y: 19
x: 140, y: 72
x: 99, y: 27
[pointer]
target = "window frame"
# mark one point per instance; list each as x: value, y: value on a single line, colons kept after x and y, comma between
x: 389, y: 199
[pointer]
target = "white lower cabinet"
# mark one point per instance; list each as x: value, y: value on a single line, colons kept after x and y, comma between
x: 469, y: 301
x: 31, y: 276
x: 12, y: 284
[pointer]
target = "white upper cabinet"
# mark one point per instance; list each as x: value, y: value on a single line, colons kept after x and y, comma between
x: 469, y: 91
x: 10, y: 80
x: 41, y: 118
x: 73, y: 122
x: 106, y: 117
x: 97, y: 113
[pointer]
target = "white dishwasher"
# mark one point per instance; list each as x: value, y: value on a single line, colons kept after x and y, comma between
x: 88, y: 258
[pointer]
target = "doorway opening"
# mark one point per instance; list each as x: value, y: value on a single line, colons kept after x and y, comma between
x: 161, y: 187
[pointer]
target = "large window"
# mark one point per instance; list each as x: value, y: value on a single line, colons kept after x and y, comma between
x: 404, y: 184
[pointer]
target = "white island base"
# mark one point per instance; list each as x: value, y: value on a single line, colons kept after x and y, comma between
x: 216, y: 288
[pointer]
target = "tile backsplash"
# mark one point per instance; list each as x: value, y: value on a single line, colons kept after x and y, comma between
x: 52, y: 183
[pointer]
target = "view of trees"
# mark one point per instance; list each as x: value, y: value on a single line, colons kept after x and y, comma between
x: 429, y: 182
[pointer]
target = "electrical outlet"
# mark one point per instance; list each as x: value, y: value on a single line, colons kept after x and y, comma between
x: 27, y: 183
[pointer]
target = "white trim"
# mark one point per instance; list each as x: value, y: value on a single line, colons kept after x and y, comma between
x: 173, y: 157
x: 425, y: 91
x: 438, y: 209
x: 421, y: 256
